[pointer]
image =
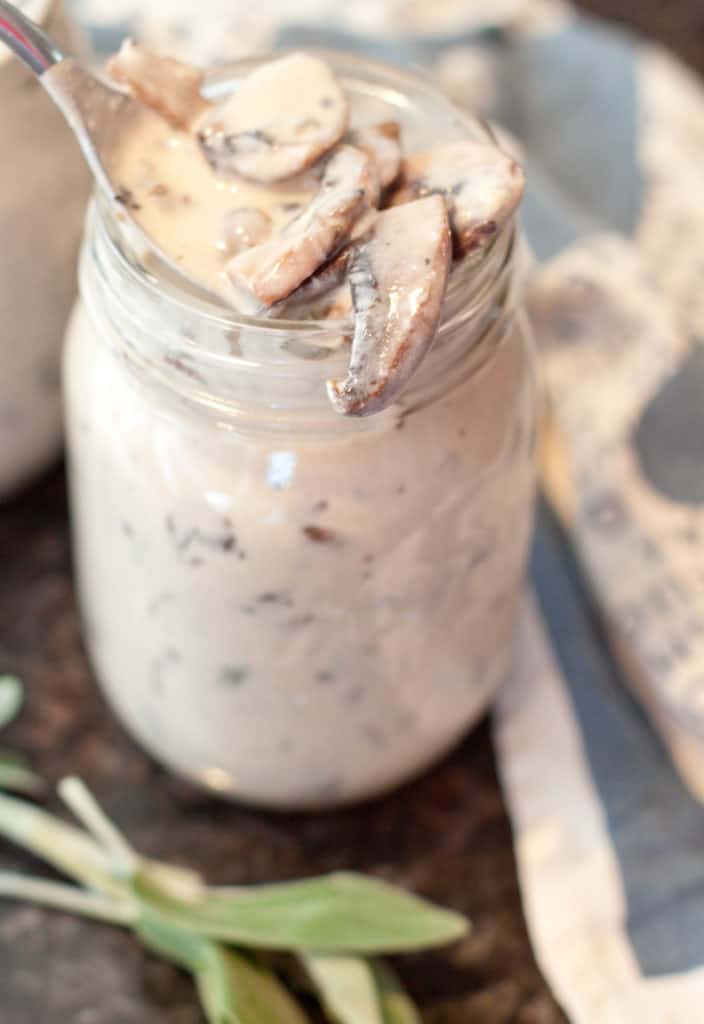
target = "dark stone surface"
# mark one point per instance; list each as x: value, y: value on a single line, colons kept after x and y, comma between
x: 446, y: 836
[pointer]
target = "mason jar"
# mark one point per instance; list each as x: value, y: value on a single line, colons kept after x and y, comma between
x: 291, y: 607
x: 43, y: 189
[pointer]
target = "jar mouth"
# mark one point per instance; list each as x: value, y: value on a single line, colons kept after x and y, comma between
x: 272, y: 372
x: 145, y: 272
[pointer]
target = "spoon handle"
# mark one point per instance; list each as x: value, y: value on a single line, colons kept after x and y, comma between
x: 27, y: 40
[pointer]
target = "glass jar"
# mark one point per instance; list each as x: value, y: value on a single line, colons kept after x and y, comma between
x: 43, y: 190
x: 291, y: 607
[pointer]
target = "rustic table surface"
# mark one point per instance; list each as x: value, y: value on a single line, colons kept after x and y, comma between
x: 447, y: 836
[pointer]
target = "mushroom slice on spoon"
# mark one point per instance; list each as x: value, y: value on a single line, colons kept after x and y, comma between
x: 284, y: 116
x: 272, y: 270
x: 383, y: 143
x: 482, y: 187
x: 398, y: 278
x: 170, y: 88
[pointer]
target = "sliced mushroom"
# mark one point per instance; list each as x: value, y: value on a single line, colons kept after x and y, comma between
x: 481, y: 185
x: 284, y: 116
x: 337, y: 305
x: 331, y: 274
x: 244, y: 228
x: 398, y: 278
x: 272, y: 270
x: 169, y: 87
x: 383, y: 144
x: 329, y: 277
x: 334, y: 305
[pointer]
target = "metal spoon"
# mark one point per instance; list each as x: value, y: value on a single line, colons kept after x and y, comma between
x: 99, y: 115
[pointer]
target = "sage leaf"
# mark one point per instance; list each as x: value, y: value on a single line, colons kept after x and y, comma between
x: 346, y: 987
x: 255, y: 994
x: 396, y: 1005
x: 64, y: 847
x: 10, y: 699
x: 335, y: 913
x: 17, y: 776
x: 232, y: 990
x: 15, y: 773
x: 76, y: 795
x: 69, y: 898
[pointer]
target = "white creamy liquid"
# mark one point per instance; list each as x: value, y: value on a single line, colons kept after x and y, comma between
x: 301, y: 623
x: 182, y: 204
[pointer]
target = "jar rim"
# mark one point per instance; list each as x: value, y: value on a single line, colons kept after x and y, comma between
x: 189, y: 302
x: 243, y: 367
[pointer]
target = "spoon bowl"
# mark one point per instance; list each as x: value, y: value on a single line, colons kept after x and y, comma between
x: 100, y: 115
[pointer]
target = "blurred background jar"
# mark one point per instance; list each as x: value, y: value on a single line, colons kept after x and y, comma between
x: 43, y: 188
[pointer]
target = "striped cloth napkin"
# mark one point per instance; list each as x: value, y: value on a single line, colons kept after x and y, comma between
x: 600, y: 731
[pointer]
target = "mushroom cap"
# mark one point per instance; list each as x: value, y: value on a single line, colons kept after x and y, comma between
x: 382, y: 142
x: 272, y: 270
x: 285, y: 115
x: 481, y: 184
x: 398, y: 278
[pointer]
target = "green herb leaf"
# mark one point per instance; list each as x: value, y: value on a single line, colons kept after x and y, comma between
x: 69, y: 898
x: 10, y: 699
x: 123, y: 859
x: 336, y: 913
x: 16, y: 775
x: 354, y: 990
x: 396, y: 1005
x: 232, y: 990
x: 227, y: 980
x: 66, y: 848
x: 346, y: 987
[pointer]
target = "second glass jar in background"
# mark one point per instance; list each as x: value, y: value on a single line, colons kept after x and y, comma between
x: 43, y: 190
x: 294, y: 608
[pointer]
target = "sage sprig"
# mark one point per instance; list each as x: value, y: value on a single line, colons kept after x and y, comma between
x: 15, y: 774
x: 335, y: 925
